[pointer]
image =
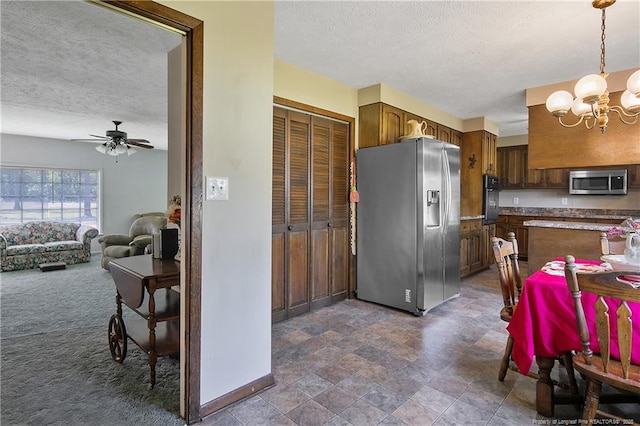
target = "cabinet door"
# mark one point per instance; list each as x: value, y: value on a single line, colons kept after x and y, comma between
x: 464, y: 254
x: 444, y: 133
x: 515, y: 162
x: 633, y: 176
x: 392, y: 125
x: 456, y: 137
x: 557, y: 178
x: 489, y: 166
x: 502, y: 227
x: 488, y: 232
x: 475, y: 250
x: 432, y: 129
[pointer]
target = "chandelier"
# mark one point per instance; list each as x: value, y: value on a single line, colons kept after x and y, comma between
x: 591, y: 104
x: 115, y: 147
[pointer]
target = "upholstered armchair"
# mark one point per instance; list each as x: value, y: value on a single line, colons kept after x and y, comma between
x: 115, y: 246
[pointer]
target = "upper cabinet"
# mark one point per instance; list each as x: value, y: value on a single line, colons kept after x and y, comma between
x: 477, y: 157
x: 514, y: 171
x: 383, y: 124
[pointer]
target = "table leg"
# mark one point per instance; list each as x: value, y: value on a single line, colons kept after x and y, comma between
x: 544, y: 387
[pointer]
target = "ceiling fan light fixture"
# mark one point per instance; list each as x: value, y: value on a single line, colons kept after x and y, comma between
x: 591, y: 103
x: 120, y: 149
x: 102, y: 148
x: 131, y: 151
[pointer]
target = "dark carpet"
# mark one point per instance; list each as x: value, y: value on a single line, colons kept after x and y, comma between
x: 56, y: 366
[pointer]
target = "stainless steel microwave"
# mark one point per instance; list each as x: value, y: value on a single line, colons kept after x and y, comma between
x: 598, y: 182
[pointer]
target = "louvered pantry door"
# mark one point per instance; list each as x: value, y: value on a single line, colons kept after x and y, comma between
x: 330, y: 210
x: 290, y: 214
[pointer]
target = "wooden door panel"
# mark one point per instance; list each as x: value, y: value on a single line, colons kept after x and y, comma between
x: 340, y: 175
x: 298, y: 270
x: 340, y: 261
x: 278, y: 302
x: 320, y: 143
x: 392, y: 126
x: 278, y: 191
x: 319, y: 264
x: 298, y: 169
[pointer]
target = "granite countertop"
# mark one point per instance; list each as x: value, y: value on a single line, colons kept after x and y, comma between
x: 480, y: 216
x: 575, y: 213
x: 567, y: 225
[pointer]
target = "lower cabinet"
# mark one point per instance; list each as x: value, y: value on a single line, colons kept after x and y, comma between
x: 488, y: 232
x: 471, y: 247
x: 515, y: 224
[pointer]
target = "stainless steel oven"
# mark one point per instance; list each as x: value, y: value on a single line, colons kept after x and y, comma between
x: 490, y: 199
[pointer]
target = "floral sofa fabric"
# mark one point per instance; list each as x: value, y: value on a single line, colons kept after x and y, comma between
x: 27, y: 245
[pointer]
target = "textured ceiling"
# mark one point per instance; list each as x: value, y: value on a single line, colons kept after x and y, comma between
x: 69, y: 68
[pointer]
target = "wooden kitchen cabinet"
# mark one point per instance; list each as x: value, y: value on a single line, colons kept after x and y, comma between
x: 382, y: 124
x: 471, y: 247
x: 633, y: 175
x: 514, y: 171
x: 489, y: 166
x: 488, y: 232
x: 515, y: 224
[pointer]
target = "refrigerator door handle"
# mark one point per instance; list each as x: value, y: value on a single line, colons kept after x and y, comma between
x: 447, y: 184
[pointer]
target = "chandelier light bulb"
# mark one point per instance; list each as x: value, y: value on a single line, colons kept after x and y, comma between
x: 579, y: 108
x: 630, y: 102
x: 558, y: 103
x: 112, y: 152
x: 633, y: 83
x: 590, y: 87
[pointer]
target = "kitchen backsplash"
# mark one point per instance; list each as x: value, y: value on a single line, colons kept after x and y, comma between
x: 549, y: 198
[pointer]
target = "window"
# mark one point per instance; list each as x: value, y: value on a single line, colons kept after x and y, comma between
x: 38, y: 194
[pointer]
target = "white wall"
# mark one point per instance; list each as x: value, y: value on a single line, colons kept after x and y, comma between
x: 135, y: 184
x: 236, y: 234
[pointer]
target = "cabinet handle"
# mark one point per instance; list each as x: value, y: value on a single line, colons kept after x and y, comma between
x: 329, y: 225
x: 290, y: 228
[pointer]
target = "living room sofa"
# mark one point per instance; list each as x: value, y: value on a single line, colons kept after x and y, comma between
x: 27, y: 245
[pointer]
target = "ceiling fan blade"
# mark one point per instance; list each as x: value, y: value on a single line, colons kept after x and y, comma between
x: 141, y: 145
x: 88, y: 140
x: 138, y: 140
x: 101, y: 137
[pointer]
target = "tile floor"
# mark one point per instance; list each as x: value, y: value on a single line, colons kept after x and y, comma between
x: 357, y: 363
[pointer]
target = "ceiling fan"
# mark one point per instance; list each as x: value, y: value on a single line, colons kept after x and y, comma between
x: 117, y: 143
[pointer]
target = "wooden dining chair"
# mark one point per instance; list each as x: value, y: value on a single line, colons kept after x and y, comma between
x: 611, y: 246
x: 506, y: 257
x: 601, y: 368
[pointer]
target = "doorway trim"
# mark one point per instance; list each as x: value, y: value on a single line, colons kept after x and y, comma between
x: 193, y: 30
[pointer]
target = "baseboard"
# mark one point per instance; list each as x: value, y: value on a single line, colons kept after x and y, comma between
x: 241, y: 393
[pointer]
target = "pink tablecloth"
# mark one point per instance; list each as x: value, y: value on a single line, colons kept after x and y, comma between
x: 544, y: 323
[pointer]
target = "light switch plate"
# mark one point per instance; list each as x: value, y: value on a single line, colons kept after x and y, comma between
x: 217, y: 188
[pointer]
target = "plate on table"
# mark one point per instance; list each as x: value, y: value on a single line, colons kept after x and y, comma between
x: 556, y: 267
x: 632, y: 280
x: 619, y: 262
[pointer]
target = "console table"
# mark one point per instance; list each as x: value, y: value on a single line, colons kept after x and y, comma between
x: 144, y: 284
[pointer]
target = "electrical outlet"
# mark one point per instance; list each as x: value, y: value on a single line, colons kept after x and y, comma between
x: 516, y: 201
x: 217, y: 188
x: 564, y: 201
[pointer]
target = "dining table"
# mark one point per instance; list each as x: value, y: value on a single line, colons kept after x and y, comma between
x: 543, y: 325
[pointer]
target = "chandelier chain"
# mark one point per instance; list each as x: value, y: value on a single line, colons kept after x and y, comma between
x: 602, y: 48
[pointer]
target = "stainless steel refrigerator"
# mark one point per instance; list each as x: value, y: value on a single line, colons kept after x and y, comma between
x: 408, y: 224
